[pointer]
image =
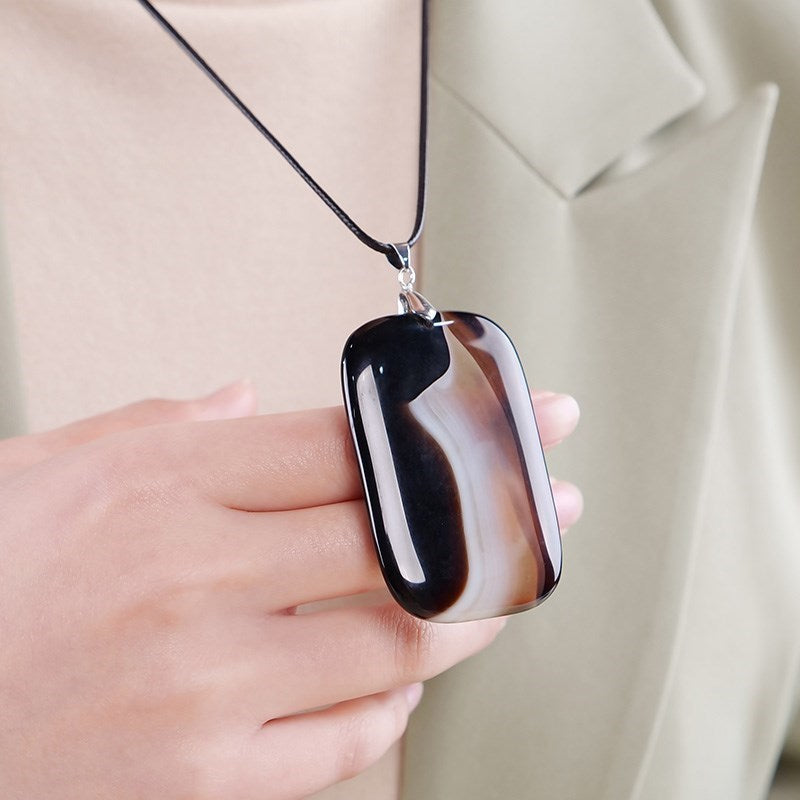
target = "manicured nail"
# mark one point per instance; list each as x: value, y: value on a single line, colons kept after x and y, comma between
x: 237, y: 399
x: 413, y: 695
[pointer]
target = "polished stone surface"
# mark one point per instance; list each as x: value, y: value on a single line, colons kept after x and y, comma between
x: 454, y: 475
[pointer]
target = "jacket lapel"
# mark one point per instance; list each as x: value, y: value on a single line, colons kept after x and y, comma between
x: 569, y: 87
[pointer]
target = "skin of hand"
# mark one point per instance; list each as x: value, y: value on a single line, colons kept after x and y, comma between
x: 153, y: 559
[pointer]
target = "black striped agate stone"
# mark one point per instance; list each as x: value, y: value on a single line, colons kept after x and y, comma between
x: 455, y: 480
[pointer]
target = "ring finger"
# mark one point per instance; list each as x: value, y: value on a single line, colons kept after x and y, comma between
x: 357, y: 651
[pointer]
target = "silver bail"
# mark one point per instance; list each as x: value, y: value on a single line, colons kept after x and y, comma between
x: 409, y: 301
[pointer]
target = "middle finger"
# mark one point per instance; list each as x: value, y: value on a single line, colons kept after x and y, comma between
x: 309, y: 554
x: 357, y: 651
x: 324, y: 552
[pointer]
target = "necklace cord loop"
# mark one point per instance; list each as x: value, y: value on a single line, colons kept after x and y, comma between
x: 399, y: 255
x: 388, y: 249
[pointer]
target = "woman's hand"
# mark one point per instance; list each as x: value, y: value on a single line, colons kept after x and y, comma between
x: 152, y: 562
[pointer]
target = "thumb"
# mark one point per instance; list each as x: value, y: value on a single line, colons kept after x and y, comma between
x: 237, y: 399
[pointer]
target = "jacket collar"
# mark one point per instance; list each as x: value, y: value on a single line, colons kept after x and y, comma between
x: 621, y: 62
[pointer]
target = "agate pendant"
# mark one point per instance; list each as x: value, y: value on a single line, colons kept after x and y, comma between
x: 454, y: 475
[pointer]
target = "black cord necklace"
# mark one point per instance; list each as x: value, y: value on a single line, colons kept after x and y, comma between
x: 391, y: 251
x: 453, y: 470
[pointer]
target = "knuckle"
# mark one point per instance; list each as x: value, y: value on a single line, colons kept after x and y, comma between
x: 130, y: 466
x: 167, y: 410
x: 399, y: 716
x: 363, y: 741
x: 112, y: 462
x: 202, y: 775
x: 22, y: 451
x: 414, y: 642
x: 174, y: 608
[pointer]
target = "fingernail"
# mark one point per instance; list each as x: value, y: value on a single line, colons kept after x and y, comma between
x: 413, y: 695
x: 558, y: 416
x: 565, y: 401
x: 237, y: 399
x: 569, y: 503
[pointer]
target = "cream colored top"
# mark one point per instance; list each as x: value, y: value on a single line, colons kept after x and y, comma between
x: 157, y: 245
x: 129, y: 178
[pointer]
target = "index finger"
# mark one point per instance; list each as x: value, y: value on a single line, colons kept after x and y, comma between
x: 272, y: 462
x: 279, y: 462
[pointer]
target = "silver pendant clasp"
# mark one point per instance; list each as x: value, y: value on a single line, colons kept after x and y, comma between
x: 409, y: 301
